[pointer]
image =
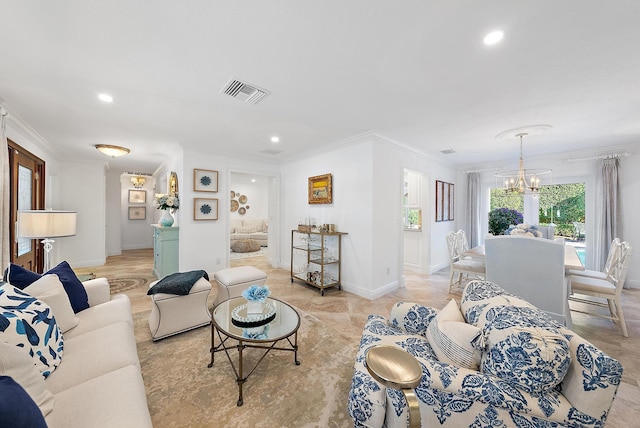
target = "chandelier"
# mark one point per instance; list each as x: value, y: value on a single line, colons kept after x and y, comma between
x: 523, y: 180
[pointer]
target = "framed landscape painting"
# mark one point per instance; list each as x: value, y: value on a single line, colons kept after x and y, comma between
x: 137, y: 213
x: 320, y: 189
x: 137, y: 196
x: 205, y: 209
x: 205, y: 180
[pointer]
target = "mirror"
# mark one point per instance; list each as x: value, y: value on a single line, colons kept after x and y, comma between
x: 173, y: 183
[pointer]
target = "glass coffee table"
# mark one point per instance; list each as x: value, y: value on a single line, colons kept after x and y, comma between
x: 238, y: 330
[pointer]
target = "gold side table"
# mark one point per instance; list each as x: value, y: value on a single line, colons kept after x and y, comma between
x: 397, y: 369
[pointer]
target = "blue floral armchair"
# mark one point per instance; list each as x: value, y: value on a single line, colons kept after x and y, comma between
x: 517, y: 383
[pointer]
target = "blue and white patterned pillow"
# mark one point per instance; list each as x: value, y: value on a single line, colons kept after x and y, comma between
x: 28, y: 323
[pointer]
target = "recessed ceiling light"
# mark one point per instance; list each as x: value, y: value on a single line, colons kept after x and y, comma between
x: 105, y: 98
x: 493, y: 37
x: 275, y: 139
x: 253, y: 180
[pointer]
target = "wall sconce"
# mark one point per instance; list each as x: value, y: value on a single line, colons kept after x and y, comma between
x: 137, y: 182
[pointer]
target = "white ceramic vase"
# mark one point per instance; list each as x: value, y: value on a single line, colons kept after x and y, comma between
x: 166, y: 220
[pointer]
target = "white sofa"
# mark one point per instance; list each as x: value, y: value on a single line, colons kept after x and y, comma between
x: 98, y: 382
x: 256, y: 229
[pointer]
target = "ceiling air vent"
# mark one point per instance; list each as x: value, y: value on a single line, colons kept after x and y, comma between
x: 447, y: 151
x: 244, y: 91
x: 271, y: 151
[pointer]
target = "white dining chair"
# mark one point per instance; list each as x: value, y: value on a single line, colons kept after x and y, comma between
x: 611, y: 258
x: 460, y: 265
x: 532, y: 268
x: 585, y: 289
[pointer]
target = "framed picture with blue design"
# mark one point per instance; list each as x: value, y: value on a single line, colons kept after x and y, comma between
x: 205, y: 180
x: 205, y: 209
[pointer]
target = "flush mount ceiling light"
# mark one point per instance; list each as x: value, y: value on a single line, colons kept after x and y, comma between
x: 493, y: 37
x: 112, y: 151
x: 105, y: 98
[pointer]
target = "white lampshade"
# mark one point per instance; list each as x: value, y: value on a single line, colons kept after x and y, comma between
x: 46, y: 223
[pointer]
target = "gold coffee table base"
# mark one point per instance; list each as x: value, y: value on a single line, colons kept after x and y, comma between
x: 279, y: 330
x: 397, y: 369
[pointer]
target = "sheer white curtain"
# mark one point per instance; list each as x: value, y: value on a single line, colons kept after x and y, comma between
x: 4, y: 191
x: 473, y: 208
x: 607, y: 209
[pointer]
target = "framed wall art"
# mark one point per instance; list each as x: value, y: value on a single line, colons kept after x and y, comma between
x: 205, y: 209
x: 137, y: 196
x: 320, y: 189
x: 137, y: 213
x: 205, y: 180
x: 444, y: 201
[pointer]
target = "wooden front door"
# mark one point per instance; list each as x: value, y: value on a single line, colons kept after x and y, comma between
x: 26, y: 193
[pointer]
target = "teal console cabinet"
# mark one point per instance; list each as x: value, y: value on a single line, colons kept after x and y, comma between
x: 165, y: 250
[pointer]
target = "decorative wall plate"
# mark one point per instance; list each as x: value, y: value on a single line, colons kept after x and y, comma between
x: 243, y: 199
x: 234, y: 205
x: 242, y: 210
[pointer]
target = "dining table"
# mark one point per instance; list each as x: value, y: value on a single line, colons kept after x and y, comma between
x: 571, y: 259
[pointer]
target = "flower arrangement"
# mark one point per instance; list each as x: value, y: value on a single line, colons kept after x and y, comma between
x: 523, y: 229
x: 166, y: 202
x: 501, y: 218
x: 256, y: 293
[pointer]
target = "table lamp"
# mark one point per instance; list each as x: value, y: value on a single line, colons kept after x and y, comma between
x: 46, y: 224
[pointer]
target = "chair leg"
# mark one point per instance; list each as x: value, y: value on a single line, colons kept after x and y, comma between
x: 623, y: 325
x: 451, y: 280
x: 612, y: 309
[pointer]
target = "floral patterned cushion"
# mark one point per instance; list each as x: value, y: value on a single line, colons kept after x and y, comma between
x: 28, y: 323
x: 524, y: 346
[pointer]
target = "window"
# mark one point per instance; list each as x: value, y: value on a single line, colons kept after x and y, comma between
x: 412, y: 201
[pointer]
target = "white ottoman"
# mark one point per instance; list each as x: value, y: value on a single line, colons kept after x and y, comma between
x: 172, y: 313
x: 231, y: 282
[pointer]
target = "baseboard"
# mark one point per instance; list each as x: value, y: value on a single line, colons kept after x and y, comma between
x: 437, y: 267
x: 371, y: 294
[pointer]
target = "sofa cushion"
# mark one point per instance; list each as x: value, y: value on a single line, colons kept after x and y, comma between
x: 246, y: 229
x: 118, y: 309
x: 17, y: 364
x: 93, y: 354
x: 17, y: 409
x: 21, y: 278
x: 451, y: 338
x: 50, y: 290
x: 28, y: 323
x: 524, y: 345
x: 532, y: 358
x: 115, y: 399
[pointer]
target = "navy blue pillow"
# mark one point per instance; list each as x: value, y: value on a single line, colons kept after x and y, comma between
x: 21, y: 278
x: 17, y: 408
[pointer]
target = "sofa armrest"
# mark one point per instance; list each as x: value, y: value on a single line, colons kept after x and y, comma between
x: 98, y: 291
x: 593, y: 377
x: 411, y: 317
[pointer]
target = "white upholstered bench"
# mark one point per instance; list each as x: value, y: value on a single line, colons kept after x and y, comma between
x: 172, y: 313
x: 232, y: 281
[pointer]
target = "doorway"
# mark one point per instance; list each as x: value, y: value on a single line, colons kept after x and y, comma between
x: 253, y: 217
x: 26, y: 192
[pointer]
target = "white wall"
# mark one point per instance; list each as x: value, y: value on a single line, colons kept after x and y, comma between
x: 352, y: 209
x: 82, y: 189
x: 136, y: 234
x: 257, y: 193
x: 204, y: 244
x: 630, y: 207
